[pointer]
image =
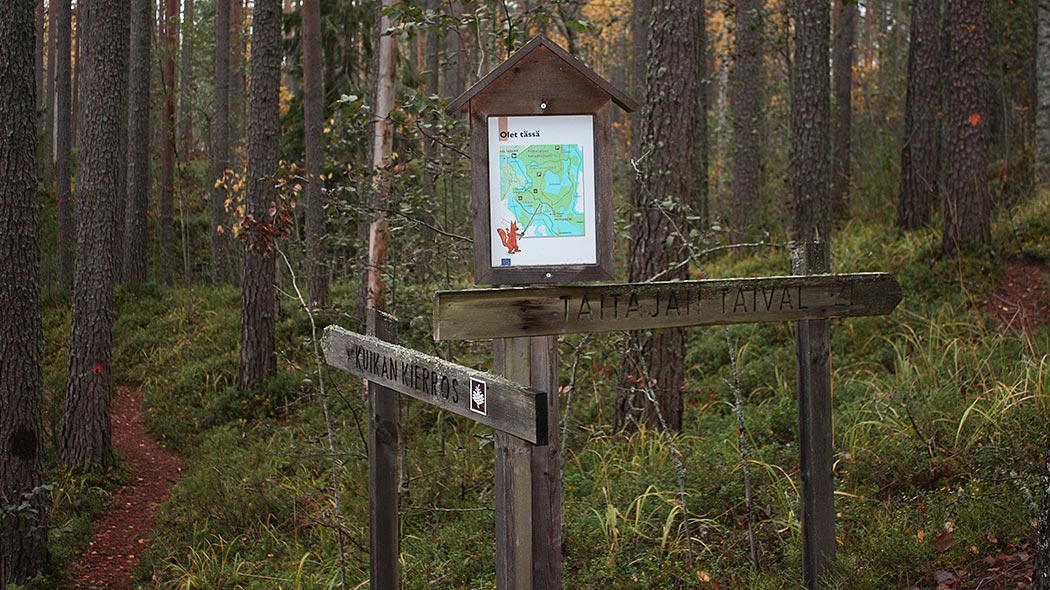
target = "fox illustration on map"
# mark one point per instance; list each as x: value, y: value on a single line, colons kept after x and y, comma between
x: 510, y: 236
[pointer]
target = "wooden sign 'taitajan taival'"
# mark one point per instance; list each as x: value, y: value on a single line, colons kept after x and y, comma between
x: 534, y: 311
x: 541, y: 168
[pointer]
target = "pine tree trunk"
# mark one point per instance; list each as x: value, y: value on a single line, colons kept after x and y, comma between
x: 920, y: 171
x: 655, y: 361
x: 381, y: 137
x: 62, y: 126
x: 238, y: 40
x: 75, y: 102
x: 258, y: 360
x: 220, y: 149
x: 845, y: 17
x: 640, y: 17
x: 166, y: 217
x: 38, y: 55
x: 135, y: 220
x: 120, y: 199
x: 1042, y: 76
x: 747, y: 92
x: 967, y: 197
x: 313, y: 124
x: 86, y: 429
x: 49, y: 97
x: 810, y: 114
x: 186, y: 77
x: 23, y: 541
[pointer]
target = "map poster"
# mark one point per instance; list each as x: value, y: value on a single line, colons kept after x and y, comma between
x: 541, y: 190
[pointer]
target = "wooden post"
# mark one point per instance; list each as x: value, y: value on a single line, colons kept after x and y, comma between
x: 815, y: 429
x: 384, y: 434
x: 528, y: 478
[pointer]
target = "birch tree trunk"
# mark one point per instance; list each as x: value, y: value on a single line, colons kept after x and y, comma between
x: 381, y: 139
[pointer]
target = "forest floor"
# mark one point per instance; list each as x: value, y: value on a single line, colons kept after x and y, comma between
x: 121, y: 536
x: 1020, y: 304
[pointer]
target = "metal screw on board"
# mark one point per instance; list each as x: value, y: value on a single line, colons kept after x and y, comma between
x: 543, y: 106
x: 548, y: 275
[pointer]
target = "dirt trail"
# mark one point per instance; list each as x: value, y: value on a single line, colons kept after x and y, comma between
x: 124, y: 532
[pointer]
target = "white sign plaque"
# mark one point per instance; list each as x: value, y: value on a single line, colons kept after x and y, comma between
x: 541, y: 190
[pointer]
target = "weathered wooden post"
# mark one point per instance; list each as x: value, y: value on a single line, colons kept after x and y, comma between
x: 384, y: 438
x: 541, y: 171
x: 815, y: 428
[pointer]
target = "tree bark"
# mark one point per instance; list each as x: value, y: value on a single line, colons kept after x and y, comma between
x: 384, y: 71
x: 135, y: 220
x: 1042, y: 75
x: 186, y: 77
x: 313, y: 124
x: 38, y: 56
x: 920, y: 170
x: 120, y: 199
x: 86, y: 429
x: 23, y: 541
x: 49, y: 97
x: 186, y: 74
x: 845, y: 21
x: 967, y: 197
x: 258, y: 359
x: 63, y: 152
x: 746, y: 97
x: 166, y: 216
x: 238, y: 40
x: 810, y: 114
x: 220, y: 149
x: 667, y: 190
x: 75, y: 102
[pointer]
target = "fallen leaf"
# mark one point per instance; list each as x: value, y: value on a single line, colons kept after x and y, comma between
x: 943, y: 542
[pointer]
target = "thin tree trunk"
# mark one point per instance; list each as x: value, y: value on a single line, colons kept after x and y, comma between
x: 920, y: 173
x: 220, y: 149
x: 136, y: 222
x: 967, y: 197
x: 313, y: 124
x: 166, y: 218
x: 49, y: 98
x: 845, y: 17
x: 258, y: 359
x: 75, y: 102
x: 238, y: 39
x: 384, y: 70
x: 120, y: 199
x: 23, y: 539
x: 86, y: 427
x: 639, y: 42
x: 1042, y: 76
x: 747, y: 96
x: 38, y: 56
x: 186, y: 84
x: 654, y: 361
x: 63, y: 152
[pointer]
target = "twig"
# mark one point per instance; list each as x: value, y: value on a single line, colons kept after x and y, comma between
x: 327, y: 417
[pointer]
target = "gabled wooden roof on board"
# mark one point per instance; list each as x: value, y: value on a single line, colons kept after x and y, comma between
x: 625, y: 102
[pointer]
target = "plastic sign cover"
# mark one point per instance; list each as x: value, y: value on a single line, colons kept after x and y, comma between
x: 541, y: 190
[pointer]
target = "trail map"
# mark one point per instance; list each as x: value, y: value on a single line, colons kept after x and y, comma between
x: 540, y: 187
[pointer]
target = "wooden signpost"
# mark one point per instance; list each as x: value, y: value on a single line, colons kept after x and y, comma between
x: 518, y: 413
x: 534, y: 311
x: 542, y: 204
x: 483, y: 397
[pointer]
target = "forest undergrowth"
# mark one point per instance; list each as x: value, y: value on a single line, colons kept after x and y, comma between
x: 940, y: 429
